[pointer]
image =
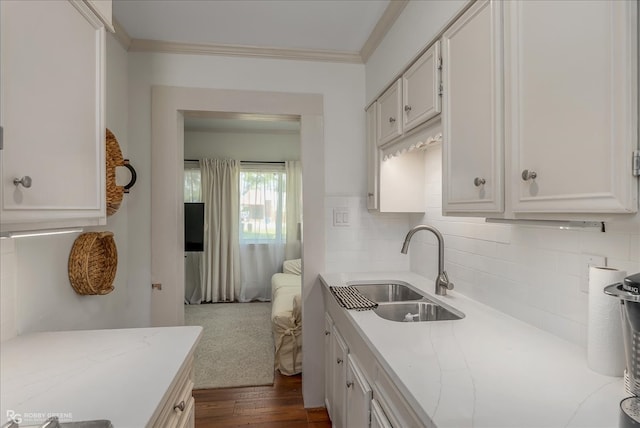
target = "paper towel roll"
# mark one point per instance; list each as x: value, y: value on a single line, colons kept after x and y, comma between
x: 605, y: 346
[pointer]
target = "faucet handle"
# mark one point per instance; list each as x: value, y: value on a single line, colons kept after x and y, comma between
x: 443, y: 281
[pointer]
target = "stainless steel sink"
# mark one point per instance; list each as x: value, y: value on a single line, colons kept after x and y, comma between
x: 387, y: 292
x: 417, y: 311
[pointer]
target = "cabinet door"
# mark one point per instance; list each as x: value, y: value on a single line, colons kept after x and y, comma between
x: 372, y: 159
x: 378, y: 418
x: 572, y: 101
x: 328, y: 364
x: 52, y: 71
x: 420, y: 88
x: 473, y: 111
x: 339, y: 403
x: 358, y: 396
x: 390, y: 113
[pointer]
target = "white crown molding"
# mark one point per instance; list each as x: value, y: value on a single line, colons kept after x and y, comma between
x: 386, y: 21
x: 141, y: 45
x: 244, y: 131
x: 121, y: 35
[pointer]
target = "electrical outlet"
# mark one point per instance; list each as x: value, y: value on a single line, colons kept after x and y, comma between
x: 587, y: 261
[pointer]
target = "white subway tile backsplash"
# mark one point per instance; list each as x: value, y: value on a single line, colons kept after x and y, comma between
x: 531, y: 273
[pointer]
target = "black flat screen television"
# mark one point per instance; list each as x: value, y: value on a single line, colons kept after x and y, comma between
x: 194, y: 226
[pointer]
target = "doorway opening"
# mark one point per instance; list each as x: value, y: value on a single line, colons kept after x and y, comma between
x: 169, y: 106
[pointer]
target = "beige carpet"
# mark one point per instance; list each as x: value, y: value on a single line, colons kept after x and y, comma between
x: 236, y: 348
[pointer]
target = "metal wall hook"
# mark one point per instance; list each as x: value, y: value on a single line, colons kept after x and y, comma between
x: 134, y: 176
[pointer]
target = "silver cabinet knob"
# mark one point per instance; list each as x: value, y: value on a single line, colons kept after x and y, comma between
x: 529, y: 175
x: 392, y: 119
x: 339, y: 361
x: 25, y: 181
x: 180, y: 406
x: 478, y: 181
x: 407, y: 108
x: 327, y: 332
x: 349, y: 384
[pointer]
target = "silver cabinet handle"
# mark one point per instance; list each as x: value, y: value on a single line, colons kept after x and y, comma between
x: 407, y: 108
x: 478, y: 181
x: 180, y: 406
x: 370, y: 195
x: 392, y: 119
x: 339, y: 361
x: 327, y: 332
x: 529, y: 175
x: 349, y: 384
x: 25, y: 181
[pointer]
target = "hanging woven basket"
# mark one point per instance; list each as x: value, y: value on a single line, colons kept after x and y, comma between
x: 114, y: 159
x: 92, y: 263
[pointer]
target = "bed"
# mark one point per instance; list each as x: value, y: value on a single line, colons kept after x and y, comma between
x: 286, y: 317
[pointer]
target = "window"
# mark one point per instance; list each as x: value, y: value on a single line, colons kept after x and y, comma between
x: 262, y: 204
x: 192, y: 187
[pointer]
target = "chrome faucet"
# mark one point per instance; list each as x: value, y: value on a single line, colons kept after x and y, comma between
x: 442, y: 281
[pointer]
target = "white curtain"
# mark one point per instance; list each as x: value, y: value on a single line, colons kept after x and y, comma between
x: 193, y: 290
x: 293, y: 209
x: 221, y: 266
x: 262, y: 231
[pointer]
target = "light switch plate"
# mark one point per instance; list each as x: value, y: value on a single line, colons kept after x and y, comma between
x: 587, y: 261
x: 341, y: 217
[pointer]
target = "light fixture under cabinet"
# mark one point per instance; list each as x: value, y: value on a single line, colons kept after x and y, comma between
x: 32, y: 233
x: 561, y: 224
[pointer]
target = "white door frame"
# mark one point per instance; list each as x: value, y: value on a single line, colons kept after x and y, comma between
x: 168, y: 105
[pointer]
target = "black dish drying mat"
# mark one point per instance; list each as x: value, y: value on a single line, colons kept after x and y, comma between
x: 350, y: 298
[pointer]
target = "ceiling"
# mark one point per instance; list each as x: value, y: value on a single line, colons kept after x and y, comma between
x: 343, y: 26
x: 337, y: 25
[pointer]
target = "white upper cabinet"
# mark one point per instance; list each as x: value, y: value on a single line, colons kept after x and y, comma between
x: 473, y: 111
x: 571, y: 92
x: 389, y: 108
x: 372, y: 160
x: 412, y: 99
x: 570, y: 88
x: 421, y: 89
x: 52, y: 105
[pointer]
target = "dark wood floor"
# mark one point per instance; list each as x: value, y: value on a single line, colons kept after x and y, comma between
x: 279, y: 405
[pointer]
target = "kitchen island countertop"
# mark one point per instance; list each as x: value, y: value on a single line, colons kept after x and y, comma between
x: 121, y: 374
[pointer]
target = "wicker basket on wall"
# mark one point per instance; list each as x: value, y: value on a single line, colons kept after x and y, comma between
x: 92, y: 263
x: 114, y: 159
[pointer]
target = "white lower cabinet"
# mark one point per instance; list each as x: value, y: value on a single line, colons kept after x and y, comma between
x: 358, y: 396
x: 339, y: 379
x: 378, y: 418
x: 359, y: 392
x: 177, y: 410
x: 328, y: 363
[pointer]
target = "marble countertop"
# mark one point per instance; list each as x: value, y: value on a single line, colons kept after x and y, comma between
x: 487, y: 369
x: 120, y: 375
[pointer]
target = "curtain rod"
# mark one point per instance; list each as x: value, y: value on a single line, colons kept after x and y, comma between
x: 280, y: 162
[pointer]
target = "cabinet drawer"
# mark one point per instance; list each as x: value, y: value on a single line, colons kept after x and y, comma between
x: 392, y: 402
x: 180, y: 396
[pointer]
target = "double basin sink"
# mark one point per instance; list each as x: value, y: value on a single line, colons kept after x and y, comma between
x: 399, y: 302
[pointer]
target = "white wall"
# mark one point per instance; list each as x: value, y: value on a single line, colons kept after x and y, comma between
x: 251, y: 146
x: 35, y: 282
